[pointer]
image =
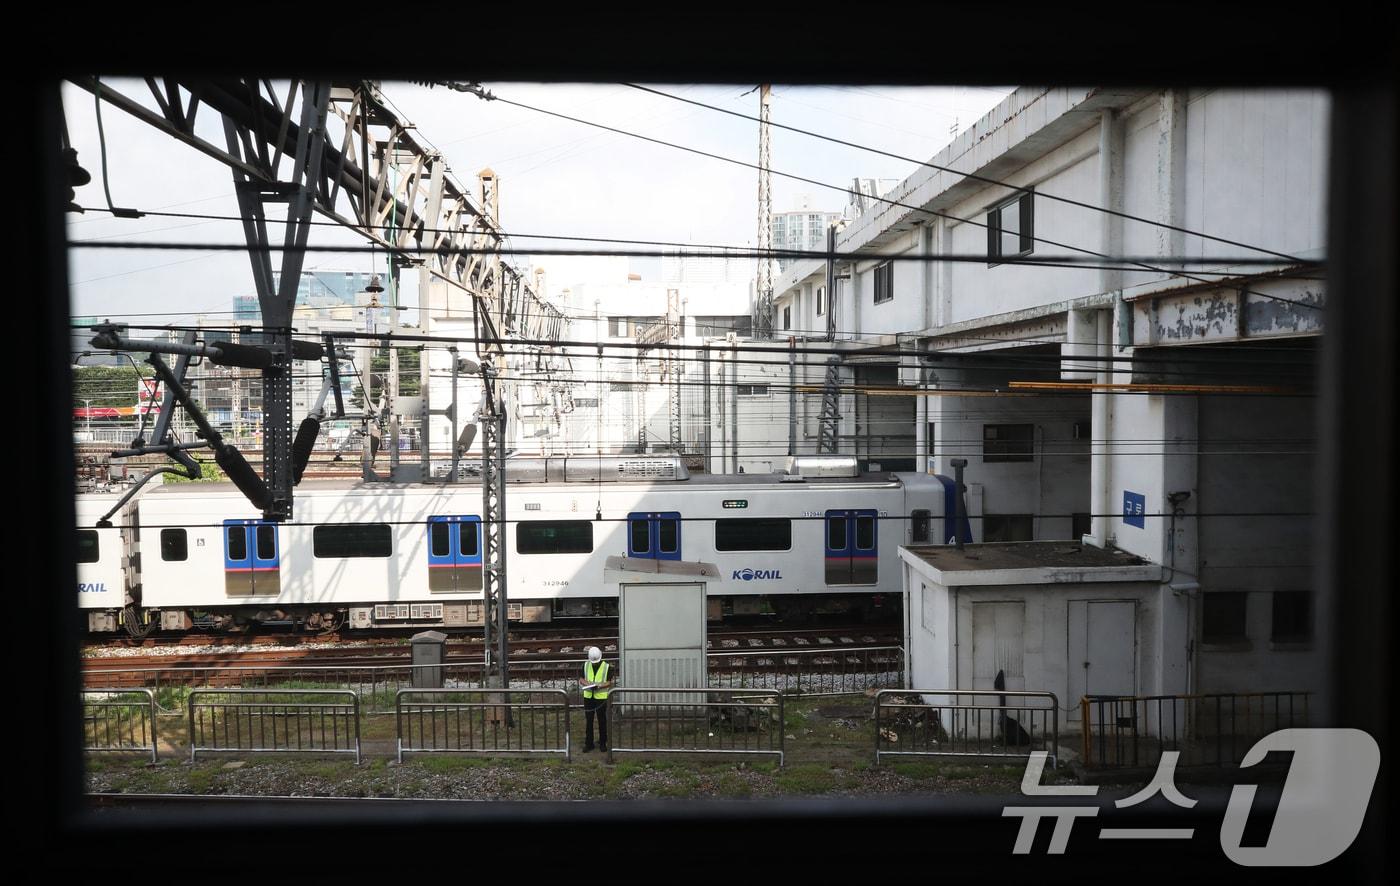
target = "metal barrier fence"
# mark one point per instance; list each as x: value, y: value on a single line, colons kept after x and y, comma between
x: 1208, y: 730
x: 822, y: 671
x: 965, y: 723
x: 119, y: 720
x: 482, y: 721
x: 274, y: 721
x: 696, y: 721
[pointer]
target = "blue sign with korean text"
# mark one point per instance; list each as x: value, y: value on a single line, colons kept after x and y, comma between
x: 1134, y: 507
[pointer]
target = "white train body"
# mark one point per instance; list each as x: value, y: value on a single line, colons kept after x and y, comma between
x: 409, y: 554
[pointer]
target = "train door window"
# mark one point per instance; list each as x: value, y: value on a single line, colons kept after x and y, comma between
x: 267, y: 542
x: 236, y: 547
x: 174, y: 545
x: 440, y: 539
x: 668, y: 533
x: 865, y: 533
x: 654, y: 536
x: 918, y: 526
x: 468, y: 538
x: 836, y: 533
x: 454, y: 554
x: 640, y: 544
x: 88, y: 546
x: 851, y: 548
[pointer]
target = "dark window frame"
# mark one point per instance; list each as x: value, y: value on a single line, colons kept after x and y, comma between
x: 1008, y: 449
x: 352, y: 541
x: 1231, y: 607
x: 1293, y: 608
x: 920, y: 521
x: 1001, y: 527
x: 884, y: 283
x: 1025, y: 217
x: 96, y: 546
x: 821, y: 301
x: 527, y: 542
x: 743, y: 533
x: 169, y: 547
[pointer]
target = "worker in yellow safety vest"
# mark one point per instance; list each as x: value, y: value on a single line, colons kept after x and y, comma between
x: 597, y: 680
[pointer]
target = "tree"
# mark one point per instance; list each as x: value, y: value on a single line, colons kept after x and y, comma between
x: 107, y: 385
x: 409, y: 382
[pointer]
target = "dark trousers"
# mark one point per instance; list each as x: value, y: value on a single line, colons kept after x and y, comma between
x: 593, y: 706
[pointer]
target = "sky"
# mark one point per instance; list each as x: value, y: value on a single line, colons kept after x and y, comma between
x: 556, y: 177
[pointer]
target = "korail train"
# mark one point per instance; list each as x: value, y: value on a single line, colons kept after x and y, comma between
x: 820, y: 537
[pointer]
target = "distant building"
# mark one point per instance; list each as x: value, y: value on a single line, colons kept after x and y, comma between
x: 315, y: 288
x: 803, y: 228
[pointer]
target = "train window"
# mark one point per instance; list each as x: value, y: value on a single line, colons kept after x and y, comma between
x: 865, y: 533
x: 174, y: 545
x: 640, y: 544
x: 439, y: 538
x: 554, y: 537
x: 918, y: 525
x: 87, y: 546
x: 237, y: 543
x: 836, y: 533
x: 346, y: 541
x: 267, y: 541
x: 753, y: 534
x: 467, y: 545
x: 666, y: 532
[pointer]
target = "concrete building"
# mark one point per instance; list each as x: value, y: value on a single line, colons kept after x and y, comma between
x: 1157, y: 403
x: 801, y: 229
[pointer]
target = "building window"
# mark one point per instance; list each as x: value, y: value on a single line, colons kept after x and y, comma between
x: 554, y: 537
x: 1010, y: 229
x: 620, y: 386
x: 821, y: 300
x: 1007, y: 527
x: 87, y: 546
x: 787, y: 317
x: 1008, y: 443
x: 352, y: 540
x: 754, y: 534
x: 884, y: 282
x: 929, y: 448
x: 618, y: 327
x: 174, y: 545
x: 591, y: 402
x: 1292, y: 617
x: 1223, y: 617
x: 751, y: 390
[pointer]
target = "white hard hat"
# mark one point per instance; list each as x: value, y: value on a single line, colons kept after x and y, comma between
x: 595, y: 654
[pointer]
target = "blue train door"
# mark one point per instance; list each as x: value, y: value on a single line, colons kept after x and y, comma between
x: 252, y: 562
x: 654, y: 536
x: 454, y: 554
x: 852, y: 549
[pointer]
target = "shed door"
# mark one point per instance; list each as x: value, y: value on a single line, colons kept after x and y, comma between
x: 998, y: 644
x: 1102, y: 648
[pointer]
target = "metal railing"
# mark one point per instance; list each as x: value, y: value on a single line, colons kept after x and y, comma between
x: 325, y: 721
x: 482, y: 721
x: 696, y: 721
x: 821, y: 671
x: 965, y: 723
x: 120, y: 720
x: 1207, y: 730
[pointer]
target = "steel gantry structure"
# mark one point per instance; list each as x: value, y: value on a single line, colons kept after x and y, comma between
x: 337, y: 150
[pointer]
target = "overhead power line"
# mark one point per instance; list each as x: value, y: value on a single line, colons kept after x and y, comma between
x: 973, y: 176
x: 821, y: 184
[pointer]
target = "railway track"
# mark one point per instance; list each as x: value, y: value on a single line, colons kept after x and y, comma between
x: 539, y: 656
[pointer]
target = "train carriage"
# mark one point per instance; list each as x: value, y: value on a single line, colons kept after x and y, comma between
x: 410, y: 555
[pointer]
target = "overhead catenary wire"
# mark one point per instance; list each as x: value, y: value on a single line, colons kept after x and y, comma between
x: 888, y: 200
x: 1044, y: 195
